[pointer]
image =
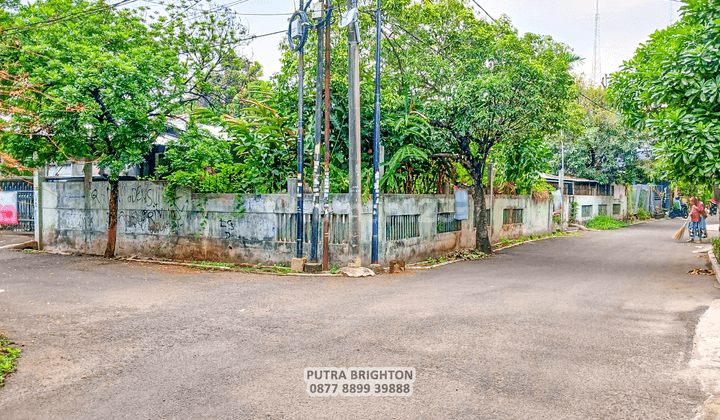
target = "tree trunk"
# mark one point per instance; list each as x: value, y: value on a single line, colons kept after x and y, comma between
x: 482, y: 240
x: 112, y: 220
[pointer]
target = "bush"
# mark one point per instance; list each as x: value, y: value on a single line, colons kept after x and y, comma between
x: 716, y: 246
x: 643, y: 214
x: 605, y: 223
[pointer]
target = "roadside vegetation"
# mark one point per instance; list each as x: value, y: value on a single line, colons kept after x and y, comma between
x: 8, y: 358
x: 504, y: 242
x: 716, y: 245
x: 212, y: 265
x: 491, y: 96
x: 605, y: 223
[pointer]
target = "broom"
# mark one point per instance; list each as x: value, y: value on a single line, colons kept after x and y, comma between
x: 679, y: 234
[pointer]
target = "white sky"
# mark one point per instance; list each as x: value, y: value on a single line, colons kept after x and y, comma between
x: 623, y: 25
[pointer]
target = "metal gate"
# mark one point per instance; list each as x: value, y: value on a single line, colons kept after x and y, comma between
x: 25, y: 205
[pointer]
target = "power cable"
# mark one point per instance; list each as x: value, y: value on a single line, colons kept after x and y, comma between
x: 67, y: 17
x: 599, y: 105
x: 483, y: 9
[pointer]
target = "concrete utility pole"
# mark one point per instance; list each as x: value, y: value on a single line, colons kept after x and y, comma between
x: 355, y: 248
x: 326, y: 198
x: 376, y: 141
x: 316, y: 149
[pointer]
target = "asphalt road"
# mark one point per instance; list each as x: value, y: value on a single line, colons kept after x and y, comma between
x: 592, y: 327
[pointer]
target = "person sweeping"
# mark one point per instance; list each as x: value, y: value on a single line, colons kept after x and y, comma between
x: 697, y: 216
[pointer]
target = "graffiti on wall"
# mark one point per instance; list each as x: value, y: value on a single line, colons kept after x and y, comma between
x: 8, y: 208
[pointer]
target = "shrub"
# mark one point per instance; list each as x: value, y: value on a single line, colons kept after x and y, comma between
x: 643, y: 214
x: 605, y: 223
x: 716, y: 246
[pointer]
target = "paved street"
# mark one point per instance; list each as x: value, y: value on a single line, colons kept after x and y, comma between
x: 593, y: 327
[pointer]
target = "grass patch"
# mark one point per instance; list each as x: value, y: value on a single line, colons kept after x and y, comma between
x: 605, y: 223
x: 468, y: 254
x: 260, y: 269
x: 212, y: 265
x: 8, y: 358
x: 504, y: 242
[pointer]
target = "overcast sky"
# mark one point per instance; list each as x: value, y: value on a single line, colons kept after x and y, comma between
x: 623, y: 25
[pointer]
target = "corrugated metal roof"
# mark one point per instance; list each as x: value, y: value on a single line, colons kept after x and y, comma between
x: 567, y: 178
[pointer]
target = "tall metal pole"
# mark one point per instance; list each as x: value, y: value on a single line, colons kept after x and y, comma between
x: 316, y: 150
x: 326, y: 222
x: 376, y: 140
x: 355, y: 248
x: 301, y: 133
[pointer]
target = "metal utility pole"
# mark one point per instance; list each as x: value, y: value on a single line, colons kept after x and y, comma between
x: 326, y: 221
x: 316, y: 150
x: 355, y: 248
x: 376, y: 140
x: 301, y: 134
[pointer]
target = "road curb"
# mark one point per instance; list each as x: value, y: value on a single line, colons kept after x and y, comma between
x: 715, y: 265
x: 21, y: 245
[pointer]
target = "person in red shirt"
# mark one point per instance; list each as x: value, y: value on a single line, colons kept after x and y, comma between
x: 697, y: 216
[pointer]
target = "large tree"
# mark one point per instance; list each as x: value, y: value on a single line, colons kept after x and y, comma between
x: 482, y: 83
x: 672, y: 87
x: 478, y: 84
x: 599, y: 146
x: 86, y: 81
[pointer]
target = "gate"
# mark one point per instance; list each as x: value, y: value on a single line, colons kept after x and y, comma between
x: 25, y: 204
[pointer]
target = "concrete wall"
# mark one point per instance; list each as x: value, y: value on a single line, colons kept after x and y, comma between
x: 594, y: 202
x: 536, y: 220
x: 207, y: 227
x: 210, y: 227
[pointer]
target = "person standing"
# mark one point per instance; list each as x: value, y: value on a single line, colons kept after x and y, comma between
x: 697, y: 213
x: 703, y: 224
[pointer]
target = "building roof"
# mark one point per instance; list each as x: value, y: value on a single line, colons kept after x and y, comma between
x: 567, y: 178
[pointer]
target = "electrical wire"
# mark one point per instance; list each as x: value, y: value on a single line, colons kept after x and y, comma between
x: 599, y: 105
x: 67, y: 17
x: 483, y: 9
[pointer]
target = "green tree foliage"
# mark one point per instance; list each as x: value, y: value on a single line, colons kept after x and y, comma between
x: 478, y: 84
x: 481, y: 83
x: 400, y: 123
x: 519, y: 163
x: 84, y: 81
x: 672, y: 87
x: 599, y: 146
x: 254, y: 154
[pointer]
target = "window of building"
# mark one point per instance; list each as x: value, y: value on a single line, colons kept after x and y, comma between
x: 512, y: 216
x: 586, y: 211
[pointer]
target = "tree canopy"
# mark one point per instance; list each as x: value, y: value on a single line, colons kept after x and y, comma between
x: 599, y: 146
x: 483, y: 84
x: 672, y: 87
x: 89, y: 82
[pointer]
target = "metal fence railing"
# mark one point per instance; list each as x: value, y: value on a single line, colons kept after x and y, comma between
x: 446, y: 223
x: 402, y: 226
x: 25, y: 203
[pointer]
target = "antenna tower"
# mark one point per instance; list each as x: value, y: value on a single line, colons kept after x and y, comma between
x: 596, y: 72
